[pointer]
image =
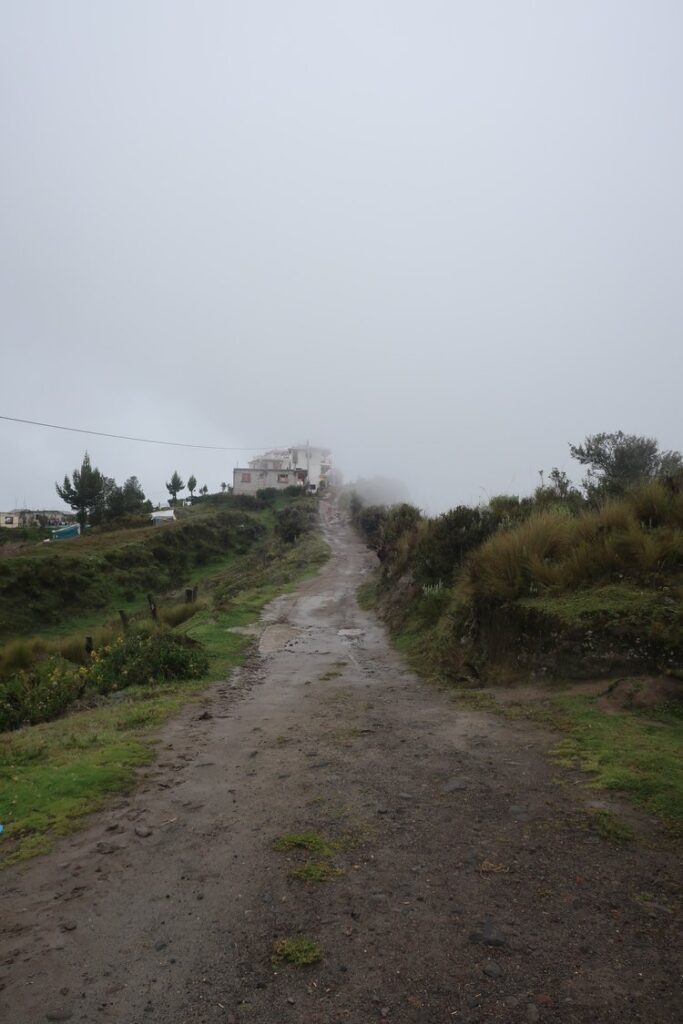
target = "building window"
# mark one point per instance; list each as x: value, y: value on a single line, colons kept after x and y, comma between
x: 9, y: 520
x: 246, y: 478
x: 283, y: 478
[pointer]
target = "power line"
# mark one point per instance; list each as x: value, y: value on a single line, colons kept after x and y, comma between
x: 126, y: 437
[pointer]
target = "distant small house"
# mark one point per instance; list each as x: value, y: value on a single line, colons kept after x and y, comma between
x: 161, y: 516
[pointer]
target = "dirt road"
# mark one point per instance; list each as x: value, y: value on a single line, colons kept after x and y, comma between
x: 464, y: 885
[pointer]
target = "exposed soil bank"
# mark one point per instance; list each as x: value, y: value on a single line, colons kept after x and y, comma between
x: 471, y: 888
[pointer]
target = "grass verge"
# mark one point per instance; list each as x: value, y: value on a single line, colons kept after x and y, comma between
x: 637, y: 754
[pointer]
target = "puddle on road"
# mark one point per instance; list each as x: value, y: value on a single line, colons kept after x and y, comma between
x: 275, y: 637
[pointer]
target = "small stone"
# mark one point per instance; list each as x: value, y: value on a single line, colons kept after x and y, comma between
x: 384, y: 1012
x: 406, y: 796
x: 58, y: 1015
x: 205, y: 715
x: 109, y: 847
x: 69, y: 926
x: 454, y: 786
x: 143, y: 831
x: 492, y: 969
x: 489, y: 934
x: 159, y: 945
x: 532, y: 1013
x: 290, y: 1000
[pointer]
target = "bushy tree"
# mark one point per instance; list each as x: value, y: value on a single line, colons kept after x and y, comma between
x: 192, y: 485
x: 444, y: 541
x: 616, y: 462
x: 175, y: 485
x: 84, y: 492
x: 127, y: 500
x: 204, y: 490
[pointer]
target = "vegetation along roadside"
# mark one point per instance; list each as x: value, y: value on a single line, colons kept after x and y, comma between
x: 564, y: 608
x: 53, y: 773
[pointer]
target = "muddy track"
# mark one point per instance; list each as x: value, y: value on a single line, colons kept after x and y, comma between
x: 464, y: 887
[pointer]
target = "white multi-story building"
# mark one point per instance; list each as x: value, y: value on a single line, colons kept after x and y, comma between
x: 302, y: 465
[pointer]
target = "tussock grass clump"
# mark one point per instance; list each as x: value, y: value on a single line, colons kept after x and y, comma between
x: 175, y: 614
x: 506, y: 566
x: 636, y: 538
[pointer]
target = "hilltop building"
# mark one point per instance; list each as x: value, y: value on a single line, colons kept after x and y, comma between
x: 300, y: 466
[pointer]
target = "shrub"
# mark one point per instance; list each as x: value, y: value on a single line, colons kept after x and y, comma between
x: 291, y: 522
x: 140, y: 660
x: 39, y: 694
x: 174, y: 614
x: 399, y: 532
x: 370, y: 522
x: 443, y: 542
x: 267, y: 495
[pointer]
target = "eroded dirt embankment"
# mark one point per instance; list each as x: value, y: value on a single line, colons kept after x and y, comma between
x: 464, y: 884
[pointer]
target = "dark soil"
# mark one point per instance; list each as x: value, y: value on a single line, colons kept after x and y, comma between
x: 465, y: 883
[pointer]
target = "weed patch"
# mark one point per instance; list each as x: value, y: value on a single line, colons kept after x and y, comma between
x: 310, y: 841
x: 298, y: 951
x: 610, y: 827
x: 315, y: 871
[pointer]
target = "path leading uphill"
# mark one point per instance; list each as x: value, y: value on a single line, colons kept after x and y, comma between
x: 464, y: 885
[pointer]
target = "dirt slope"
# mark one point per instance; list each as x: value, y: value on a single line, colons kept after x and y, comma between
x: 470, y: 888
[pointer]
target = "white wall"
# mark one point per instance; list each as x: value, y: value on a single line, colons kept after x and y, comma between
x: 261, y: 478
x: 310, y: 459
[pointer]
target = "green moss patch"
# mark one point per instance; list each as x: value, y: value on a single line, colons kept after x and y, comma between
x: 298, y: 951
x: 310, y: 841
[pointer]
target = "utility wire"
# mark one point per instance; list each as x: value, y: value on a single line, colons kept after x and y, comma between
x: 125, y: 437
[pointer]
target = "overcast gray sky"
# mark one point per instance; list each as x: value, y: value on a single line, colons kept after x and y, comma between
x: 443, y: 238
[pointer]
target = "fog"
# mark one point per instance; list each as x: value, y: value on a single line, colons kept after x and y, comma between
x: 443, y: 239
